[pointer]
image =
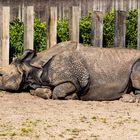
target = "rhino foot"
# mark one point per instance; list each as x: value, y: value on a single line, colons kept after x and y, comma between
x: 131, y: 98
x: 72, y: 97
x: 63, y: 91
x: 44, y: 93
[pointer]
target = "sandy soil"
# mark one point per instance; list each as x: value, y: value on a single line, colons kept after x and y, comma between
x: 25, y: 117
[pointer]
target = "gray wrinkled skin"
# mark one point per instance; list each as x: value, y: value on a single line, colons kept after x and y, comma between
x: 71, y: 71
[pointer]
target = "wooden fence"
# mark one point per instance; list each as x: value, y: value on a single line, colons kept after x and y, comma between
x: 17, y: 6
x: 51, y: 19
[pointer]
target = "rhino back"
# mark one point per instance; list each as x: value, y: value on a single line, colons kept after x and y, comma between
x: 109, y: 70
x: 47, y: 54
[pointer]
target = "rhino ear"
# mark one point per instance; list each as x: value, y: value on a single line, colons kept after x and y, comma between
x: 46, y: 65
x: 28, y: 55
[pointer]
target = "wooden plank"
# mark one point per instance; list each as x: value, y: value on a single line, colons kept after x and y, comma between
x: 19, y: 12
x: 125, y: 4
x: 134, y: 4
x: 130, y: 4
x: 121, y: 5
x: 120, y: 28
x: 84, y: 7
x: 100, y: 5
x: 116, y: 4
x: 90, y: 6
x: 47, y: 16
x: 75, y: 23
x: 28, y: 27
x: 52, y: 40
x: 97, y: 29
x: 22, y: 12
x: 113, y: 4
x: 4, y: 35
x: 94, y: 5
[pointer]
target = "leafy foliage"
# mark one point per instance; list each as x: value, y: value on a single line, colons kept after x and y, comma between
x: 39, y: 35
x: 16, y: 38
x: 108, y: 29
x: 85, y: 29
x: 17, y: 35
x: 17, y: 32
x: 62, y: 30
x: 132, y: 29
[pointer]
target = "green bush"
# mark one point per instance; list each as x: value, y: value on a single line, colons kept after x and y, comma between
x: 39, y: 35
x: 108, y: 29
x: 85, y: 29
x: 132, y: 29
x: 17, y: 35
x: 62, y: 30
x: 16, y: 38
x: 17, y: 32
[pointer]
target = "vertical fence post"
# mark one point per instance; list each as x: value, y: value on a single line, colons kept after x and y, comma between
x: 120, y: 28
x: 22, y: 12
x: 138, y: 39
x: 47, y: 16
x: 75, y: 24
x: 19, y: 12
x: 4, y: 35
x: 52, y: 27
x: 29, y: 27
x: 97, y: 29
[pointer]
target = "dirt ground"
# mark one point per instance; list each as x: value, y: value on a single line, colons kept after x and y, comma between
x: 26, y: 117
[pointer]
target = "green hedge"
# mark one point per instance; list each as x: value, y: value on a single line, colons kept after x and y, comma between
x: 62, y: 30
x: 16, y: 38
x: 108, y: 29
x: 17, y: 35
x: 131, y: 29
x: 85, y: 29
x: 17, y: 32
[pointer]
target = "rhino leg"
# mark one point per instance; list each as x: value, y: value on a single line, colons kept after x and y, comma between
x: 44, y: 93
x: 135, y: 78
x: 64, y: 91
x: 72, y: 97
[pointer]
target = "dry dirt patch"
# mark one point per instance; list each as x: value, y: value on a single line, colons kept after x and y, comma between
x: 25, y: 117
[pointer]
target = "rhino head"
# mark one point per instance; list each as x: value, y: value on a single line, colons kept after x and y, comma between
x: 12, y: 76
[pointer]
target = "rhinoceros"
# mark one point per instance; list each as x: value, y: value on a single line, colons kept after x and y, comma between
x: 70, y: 70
